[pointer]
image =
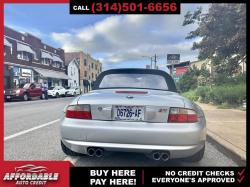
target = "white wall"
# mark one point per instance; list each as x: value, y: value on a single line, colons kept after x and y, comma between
x: 74, y: 76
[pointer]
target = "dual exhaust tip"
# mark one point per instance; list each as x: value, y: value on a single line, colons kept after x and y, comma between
x: 95, y: 152
x: 161, y: 155
x: 98, y: 152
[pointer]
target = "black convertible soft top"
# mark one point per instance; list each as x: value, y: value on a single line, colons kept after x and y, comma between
x: 168, y: 78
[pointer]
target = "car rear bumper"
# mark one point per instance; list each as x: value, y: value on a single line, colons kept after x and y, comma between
x: 180, y: 139
x: 13, y: 96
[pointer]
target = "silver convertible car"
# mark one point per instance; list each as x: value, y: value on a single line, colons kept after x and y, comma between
x: 134, y: 110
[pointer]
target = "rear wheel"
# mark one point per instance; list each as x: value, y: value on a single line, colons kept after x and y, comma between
x: 196, y: 157
x: 74, y: 94
x: 25, y: 97
x: 67, y: 151
x: 57, y: 95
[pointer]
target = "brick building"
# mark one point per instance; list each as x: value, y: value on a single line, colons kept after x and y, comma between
x: 89, y: 68
x: 28, y: 59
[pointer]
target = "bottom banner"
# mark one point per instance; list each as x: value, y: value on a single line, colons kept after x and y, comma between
x: 123, y: 176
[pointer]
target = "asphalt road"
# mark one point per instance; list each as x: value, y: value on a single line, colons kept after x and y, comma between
x: 31, y: 132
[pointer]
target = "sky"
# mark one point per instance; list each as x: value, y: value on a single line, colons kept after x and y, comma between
x: 118, y: 41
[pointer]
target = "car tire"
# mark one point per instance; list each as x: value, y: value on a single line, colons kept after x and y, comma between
x: 74, y: 94
x: 69, y: 152
x: 196, y: 157
x: 43, y: 96
x: 57, y: 95
x: 25, y: 97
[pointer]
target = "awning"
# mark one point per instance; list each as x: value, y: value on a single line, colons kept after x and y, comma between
x: 22, y: 47
x: 52, y: 74
x: 7, y: 43
x: 56, y: 58
x: 46, y: 55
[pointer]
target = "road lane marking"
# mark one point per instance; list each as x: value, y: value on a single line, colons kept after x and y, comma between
x: 29, y: 130
x: 72, y: 159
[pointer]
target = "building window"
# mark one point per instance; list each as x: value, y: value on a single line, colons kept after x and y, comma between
x: 85, y: 73
x: 44, y: 46
x: 100, y: 69
x: 71, y: 71
x: 35, y: 54
x: 45, y: 61
x: 95, y: 76
x: 92, y: 75
x: 23, y: 38
x: 55, y: 51
x: 74, y: 71
x: 89, y: 67
x: 89, y: 77
x: 5, y: 50
x: 92, y: 65
x: 85, y: 62
x: 54, y: 63
x: 95, y: 67
x: 23, y: 55
x: 57, y: 64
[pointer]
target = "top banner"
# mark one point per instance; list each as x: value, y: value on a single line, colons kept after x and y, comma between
x: 124, y: 7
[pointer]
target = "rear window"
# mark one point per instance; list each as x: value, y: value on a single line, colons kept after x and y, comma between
x: 145, y: 81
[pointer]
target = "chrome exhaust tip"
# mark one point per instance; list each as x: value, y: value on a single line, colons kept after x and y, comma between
x: 165, y: 156
x: 91, y: 152
x: 98, y: 152
x: 156, y: 156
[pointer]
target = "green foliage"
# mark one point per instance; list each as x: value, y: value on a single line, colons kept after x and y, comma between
x: 223, y: 106
x: 224, y: 79
x: 189, y: 80
x: 190, y: 95
x: 203, y: 92
x: 229, y: 95
x: 232, y: 94
x: 243, y: 109
x: 223, y: 33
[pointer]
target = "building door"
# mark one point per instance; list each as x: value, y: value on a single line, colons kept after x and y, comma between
x: 49, y: 82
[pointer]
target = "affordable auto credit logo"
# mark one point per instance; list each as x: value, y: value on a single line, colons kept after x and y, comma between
x: 31, y: 175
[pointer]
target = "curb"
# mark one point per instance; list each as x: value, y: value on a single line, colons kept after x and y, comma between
x: 230, y: 153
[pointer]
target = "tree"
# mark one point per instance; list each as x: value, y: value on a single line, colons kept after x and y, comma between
x: 188, y: 81
x: 223, y: 33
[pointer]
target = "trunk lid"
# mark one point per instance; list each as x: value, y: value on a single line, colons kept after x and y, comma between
x: 156, y: 103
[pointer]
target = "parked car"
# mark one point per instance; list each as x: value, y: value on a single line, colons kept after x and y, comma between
x: 25, y: 92
x: 56, y: 91
x: 134, y: 110
x: 74, y: 90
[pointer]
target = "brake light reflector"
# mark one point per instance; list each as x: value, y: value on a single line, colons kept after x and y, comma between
x: 181, y: 115
x: 79, y: 112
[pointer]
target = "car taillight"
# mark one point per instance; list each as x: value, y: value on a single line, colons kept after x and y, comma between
x: 181, y: 115
x: 78, y: 111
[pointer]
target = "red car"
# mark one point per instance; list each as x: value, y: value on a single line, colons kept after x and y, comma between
x: 27, y: 91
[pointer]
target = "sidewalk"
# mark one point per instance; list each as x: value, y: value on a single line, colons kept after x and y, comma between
x: 227, y: 127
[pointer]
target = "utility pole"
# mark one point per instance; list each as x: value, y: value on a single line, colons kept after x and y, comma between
x: 155, y: 61
x: 151, y: 58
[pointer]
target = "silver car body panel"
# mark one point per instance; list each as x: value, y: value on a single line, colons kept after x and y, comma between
x: 154, y: 133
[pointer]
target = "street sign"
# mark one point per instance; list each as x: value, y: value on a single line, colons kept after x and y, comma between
x: 173, y: 58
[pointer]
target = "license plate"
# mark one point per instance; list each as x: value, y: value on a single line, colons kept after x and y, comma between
x: 129, y: 113
x: 8, y: 97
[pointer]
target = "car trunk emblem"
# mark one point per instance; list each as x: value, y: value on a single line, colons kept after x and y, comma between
x: 129, y: 96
